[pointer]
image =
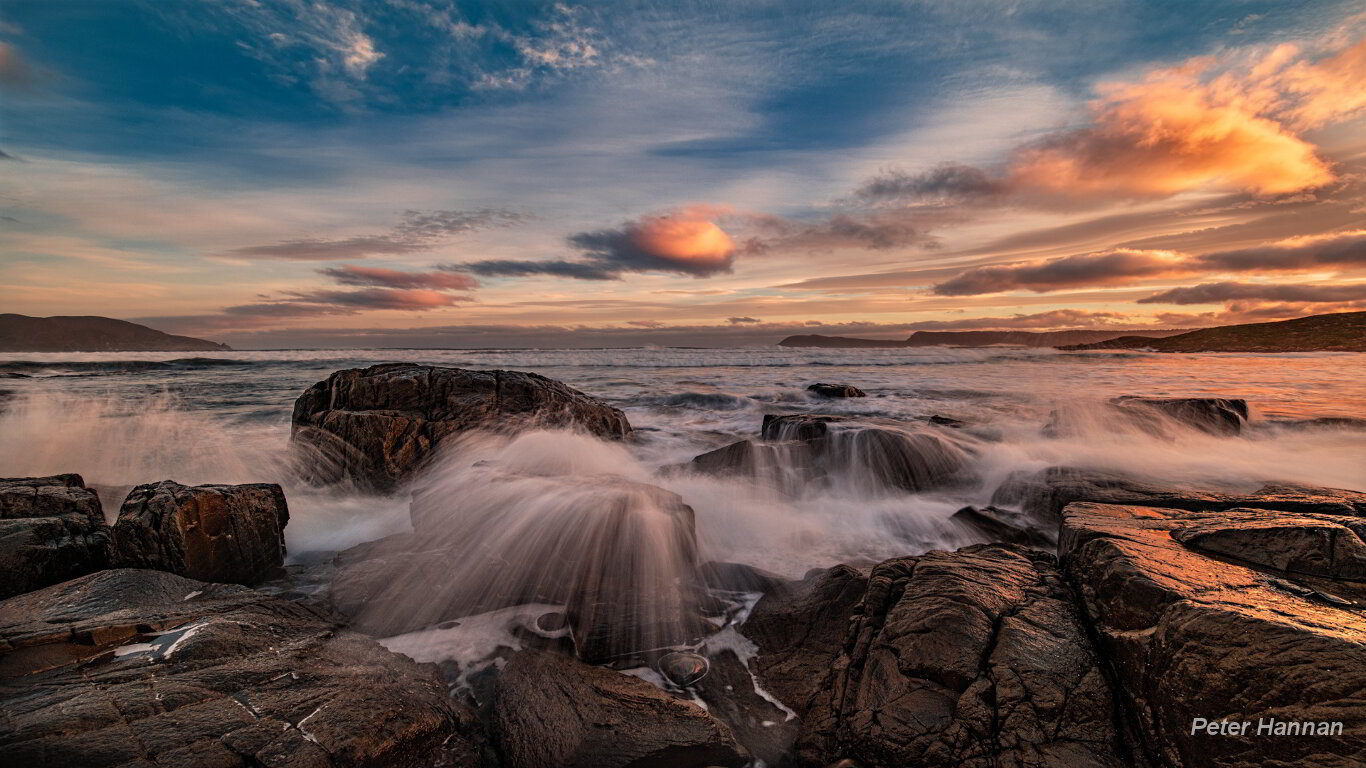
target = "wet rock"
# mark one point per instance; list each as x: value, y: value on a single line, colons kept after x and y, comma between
x: 552, y: 711
x: 141, y: 668
x: 799, y: 629
x: 225, y: 533
x: 797, y: 426
x: 1043, y: 495
x: 376, y: 426
x: 1159, y: 416
x: 947, y: 421
x: 1191, y: 636
x: 970, y: 658
x: 51, y: 529
x: 682, y: 669
x: 738, y: 577
x: 764, y: 728
x: 1004, y: 525
x: 836, y: 390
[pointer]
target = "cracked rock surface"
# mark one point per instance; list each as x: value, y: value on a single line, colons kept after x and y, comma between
x: 550, y: 711
x: 233, y: 534
x: 139, y: 668
x: 375, y: 426
x: 1218, y: 615
x: 969, y: 658
x: 51, y: 529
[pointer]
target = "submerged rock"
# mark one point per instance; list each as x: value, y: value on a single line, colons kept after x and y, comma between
x: 836, y: 390
x: 376, y: 426
x: 1158, y: 416
x: 969, y: 658
x: 140, y: 668
x: 1192, y: 636
x: 51, y: 529
x: 554, y: 712
x: 1004, y: 525
x: 682, y: 668
x: 224, y: 533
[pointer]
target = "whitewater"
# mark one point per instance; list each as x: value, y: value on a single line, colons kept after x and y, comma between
x: 121, y: 419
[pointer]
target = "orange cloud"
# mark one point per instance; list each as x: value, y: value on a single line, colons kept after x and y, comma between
x: 684, y: 236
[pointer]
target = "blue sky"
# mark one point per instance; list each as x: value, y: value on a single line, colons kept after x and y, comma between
x: 314, y: 172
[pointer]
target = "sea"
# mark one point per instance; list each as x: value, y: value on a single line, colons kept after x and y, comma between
x: 121, y: 419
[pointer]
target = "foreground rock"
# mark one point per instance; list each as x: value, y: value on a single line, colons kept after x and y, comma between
x: 971, y: 658
x: 551, y: 711
x: 144, y: 668
x: 233, y: 534
x: 51, y: 529
x: 1254, y: 636
x: 799, y: 449
x: 375, y: 426
x: 836, y: 390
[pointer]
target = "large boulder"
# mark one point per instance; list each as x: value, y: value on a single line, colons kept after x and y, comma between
x: 376, y: 426
x: 224, y: 533
x: 51, y: 529
x: 551, y: 711
x: 973, y: 658
x: 135, y: 668
x: 1226, y: 618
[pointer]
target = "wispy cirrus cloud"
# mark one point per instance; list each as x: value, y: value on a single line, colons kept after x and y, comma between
x: 1216, y: 293
x: 1338, y: 250
x: 417, y: 231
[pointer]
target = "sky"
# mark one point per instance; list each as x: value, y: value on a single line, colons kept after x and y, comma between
x: 432, y: 173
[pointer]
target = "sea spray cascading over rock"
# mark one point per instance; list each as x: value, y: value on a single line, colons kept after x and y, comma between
x: 545, y: 517
x: 376, y: 426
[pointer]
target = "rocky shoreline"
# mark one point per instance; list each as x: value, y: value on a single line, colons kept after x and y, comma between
x: 1108, y: 616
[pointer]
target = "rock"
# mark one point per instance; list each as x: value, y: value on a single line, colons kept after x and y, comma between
x: 552, y: 711
x: 762, y: 727
x: 947, y: 421
x: 836, y: 390
x: 1004, y: 525
x: 1158, y: 416
x: 620, y: 556
x: 51, y: 529
x: 971, y: 658
x: 799, y: 628
x: 1043, y: 495
x: 682, y: 668
x: 1314, y: 545
x: 803, y: 448
x: 224, y: 533
x: 738, y: 577
x: 144, y: 668
x: 1191, y: 636
x: 1216, y: 415
x: 376, y: 426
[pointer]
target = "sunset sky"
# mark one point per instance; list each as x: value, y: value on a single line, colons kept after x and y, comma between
x: 279, y: 173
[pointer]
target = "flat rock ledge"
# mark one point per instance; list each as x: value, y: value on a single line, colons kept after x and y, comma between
x: 135, y: 668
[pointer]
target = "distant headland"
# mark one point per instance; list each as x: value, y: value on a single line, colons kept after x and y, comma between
x: 21, y: 333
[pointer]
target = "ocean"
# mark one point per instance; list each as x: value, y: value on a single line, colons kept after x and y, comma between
x: 121, y: 419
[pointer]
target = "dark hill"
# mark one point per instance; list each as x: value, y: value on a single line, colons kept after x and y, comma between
x: 21, y: 333
x: 1342, y: 332
x: 970, y: 339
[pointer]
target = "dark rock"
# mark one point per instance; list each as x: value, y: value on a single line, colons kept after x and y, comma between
x: 552, y: 711
x: 1191, y: 636
x: 682, y: 668
x: 225, y: 533
x: 836, y: 390
x: 1158, y: 416
x: 51, y: 529
x: 1004, y: 525
x: 738, y: 577
x: 947, y: 421
x: 376, y: 426
x: 799, y: 629
x: 971, y: 658
x: 762, y: 727
x: 144, y: 668
x: 797, y: 426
